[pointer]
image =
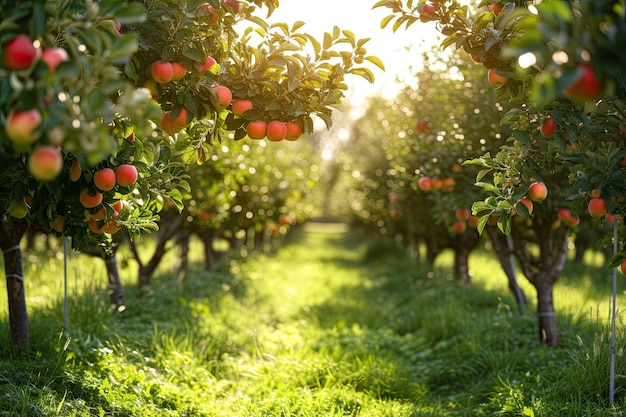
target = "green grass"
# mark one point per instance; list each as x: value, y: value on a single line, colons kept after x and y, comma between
x: 332, y: 323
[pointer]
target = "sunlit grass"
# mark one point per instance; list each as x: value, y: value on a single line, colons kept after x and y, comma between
x: 332, y: 323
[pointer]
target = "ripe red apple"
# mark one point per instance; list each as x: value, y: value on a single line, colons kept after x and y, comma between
x: 294, y: 131
x: 565, y: 215
x: 459, y: 226
x: 463, y: 214
x: 237, y: 6
x: 207, y: 64
x: 111, y: 227
x: 428, y: 8
x: 495, y: 8
x: 104, y: 179
x: 90, y: 199
x: 622, y: 267
x: 257, y: 129
x: 473, y: 221
x: 548, y: 127
x: 393, y: 198
x: 586, y: 86
x: 180, y: 121
x: 436, y: 184
x: 447, y: 184
x: 131, y: 137
x: 21, y: 126
x: 222, y: 98
x: 597, y: 207
x: 92, y: 225
x: 424, y: 184
x: 45, y: 163
x: 537, y: 191
x: 179, y: 71
x: 126, y: 175
x: 53, y: 57
x: 168, y: 124
x: 476, y: 58
x: 207, y: 9
x: 276, y: 130
x: 19, y: 53
x: 496, y: 79
x: 162, y: 72
x: 240, y: 106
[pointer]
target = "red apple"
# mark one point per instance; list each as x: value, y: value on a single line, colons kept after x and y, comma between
x: 162, y: 72
x: 222, y: 98
x: 548, y: 127
x: 179, y: 71
x: 21, y: 126
x: 19, y: 53
x: 207, y: 64
x: 526, y: 202
x: 45, y: 163
x: 207, y: 9
x: 459, y: 226
x: 424, y: 184
x: 294, y: 131
x: 256, y: 129
x: 90, y: 199
x: 495, y: 8
x: 53, y: 57
x: 586, y: 86
x: 104, y: 179
x: 537, y: 191
x: 597, y: 207
x: 622, y: 267
x: 237, y: 6
x: 463, y: 214
x: 496, y: 79
x: 126, y: 175
x: 240, y: 106
x: 276, y: 130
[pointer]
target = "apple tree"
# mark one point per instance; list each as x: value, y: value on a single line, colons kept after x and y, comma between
x: 104, y: 104
x: 557, y: 66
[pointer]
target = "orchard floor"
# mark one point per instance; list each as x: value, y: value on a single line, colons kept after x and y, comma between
x: 331, y: 322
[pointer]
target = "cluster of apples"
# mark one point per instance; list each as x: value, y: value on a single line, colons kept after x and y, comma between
x: 463, y: 218
x: 428, y: 184
x: 101, y: 214
x: 23, y: 126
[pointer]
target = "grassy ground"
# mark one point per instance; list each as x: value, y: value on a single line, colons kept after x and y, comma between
x: 331, y: 324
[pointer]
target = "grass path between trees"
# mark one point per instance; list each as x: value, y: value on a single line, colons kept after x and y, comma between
x: 332, y: 323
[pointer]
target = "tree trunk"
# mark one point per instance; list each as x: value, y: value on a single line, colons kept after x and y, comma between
x: 503, y: 247
x: 209, y: 252
x: 116, y: 292
x: 18, y: 314
x: 461, y: 266
x: 545, y: 313
x: 183, y: 247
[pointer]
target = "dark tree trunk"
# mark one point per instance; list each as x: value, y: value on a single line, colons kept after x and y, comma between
x: 545, y: 313
x: 147, y: 269
x: 209, y: 252
x: 116, y: 292
x: 18, y: 314
x: 461, y: 264
x: 503, y: 247
x: 543, y: 270
x: 183, y: 263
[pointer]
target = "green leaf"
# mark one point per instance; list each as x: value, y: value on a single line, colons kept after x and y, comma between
x: 130, y: 13
x: 376, y: 61
x: 489, y: 187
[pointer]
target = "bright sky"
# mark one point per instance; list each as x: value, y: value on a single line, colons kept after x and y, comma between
x: 357, y: 16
